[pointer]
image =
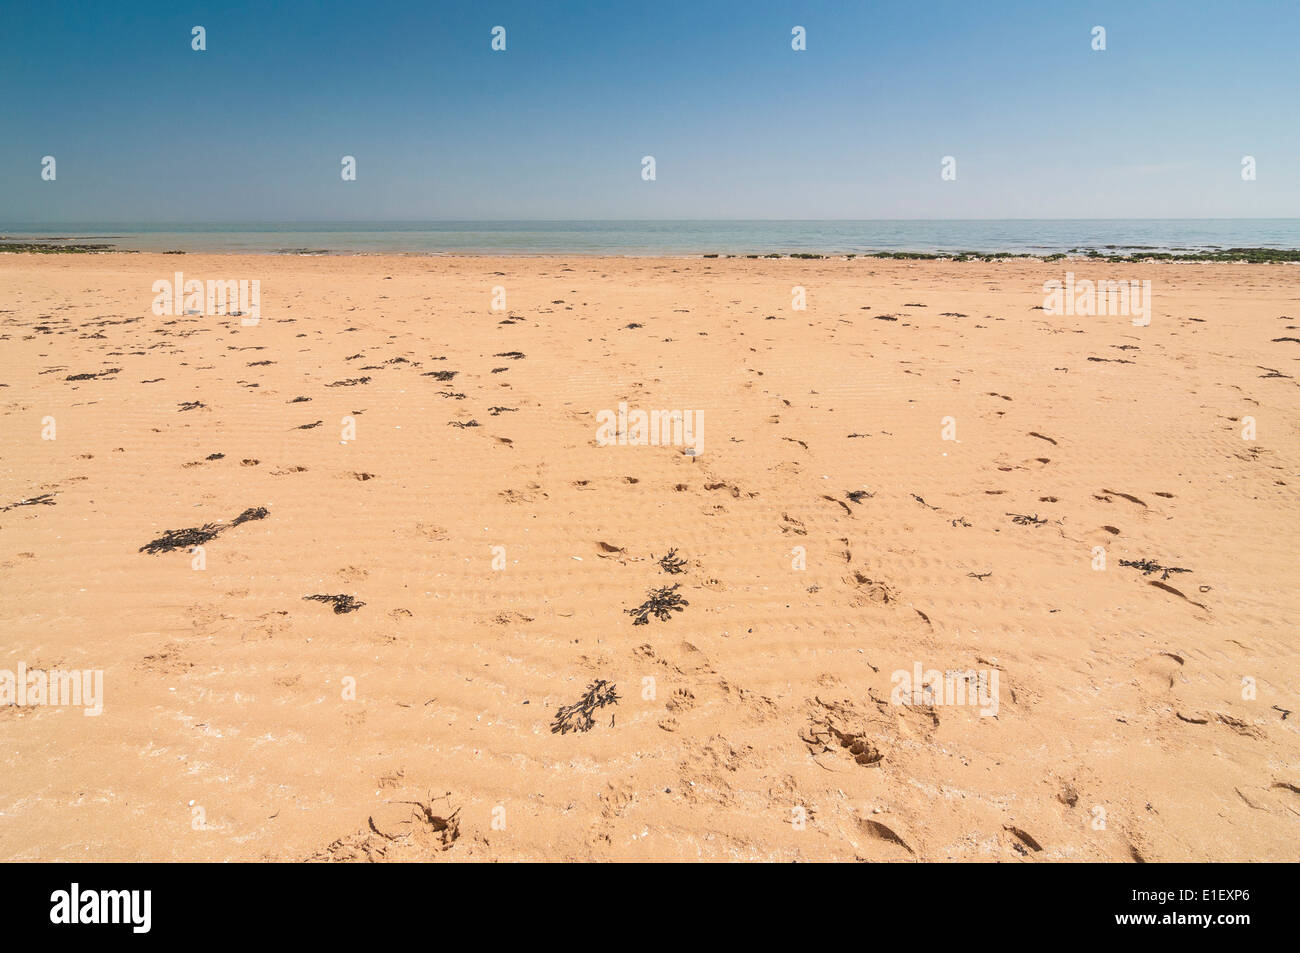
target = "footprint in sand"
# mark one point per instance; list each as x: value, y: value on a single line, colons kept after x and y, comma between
x: 792, y: 525
x: 871, y: 591
x: 838, y: 726
x: 1159, y: 672
x: 683, y: 700
x: 1131, y: 499
x: 881, y: 831
x: 1024, y: 838
x: 1170, y: 589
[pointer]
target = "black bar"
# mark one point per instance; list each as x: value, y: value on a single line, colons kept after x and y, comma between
x: 976, y: 903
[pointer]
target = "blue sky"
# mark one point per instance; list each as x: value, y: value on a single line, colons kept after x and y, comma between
x: 741, y: 126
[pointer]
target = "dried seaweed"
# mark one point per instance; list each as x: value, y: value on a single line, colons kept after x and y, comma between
x: 1148, y: 566
x: 671, y: 564
x: 252, y: 513
x: 1023, y: 520
x: 175, y: 539
x: 198, y: 535
x: 578, y: 716
x: 342, y: 603
x: 661, y: 603
x: 96, y: 376
x: 45, y: 499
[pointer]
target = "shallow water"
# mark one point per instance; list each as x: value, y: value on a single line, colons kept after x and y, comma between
x: 680, y: 237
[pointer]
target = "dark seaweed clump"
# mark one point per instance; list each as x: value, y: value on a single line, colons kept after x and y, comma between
x: 671, y: 563
x: 661, y: 603
x: 175, y: 539
x: 579, y: 715
x: 91, y: 377
x: 252, y: 513
x: 1023, y: 520
x: 342, y: 603
x: 1148, y: 566
x: 45, y: 499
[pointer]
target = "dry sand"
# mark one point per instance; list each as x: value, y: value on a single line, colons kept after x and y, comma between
x: 1121, y: 732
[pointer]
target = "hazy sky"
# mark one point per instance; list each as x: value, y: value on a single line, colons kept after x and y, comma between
x: 143, y: 128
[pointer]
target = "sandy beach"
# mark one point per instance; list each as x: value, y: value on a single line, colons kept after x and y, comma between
x: 441, y: 462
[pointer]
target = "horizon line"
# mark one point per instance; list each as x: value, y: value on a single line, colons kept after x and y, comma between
x: 574, y: 221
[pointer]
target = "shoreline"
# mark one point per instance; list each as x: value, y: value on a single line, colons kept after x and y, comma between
x: 1245, y: 255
